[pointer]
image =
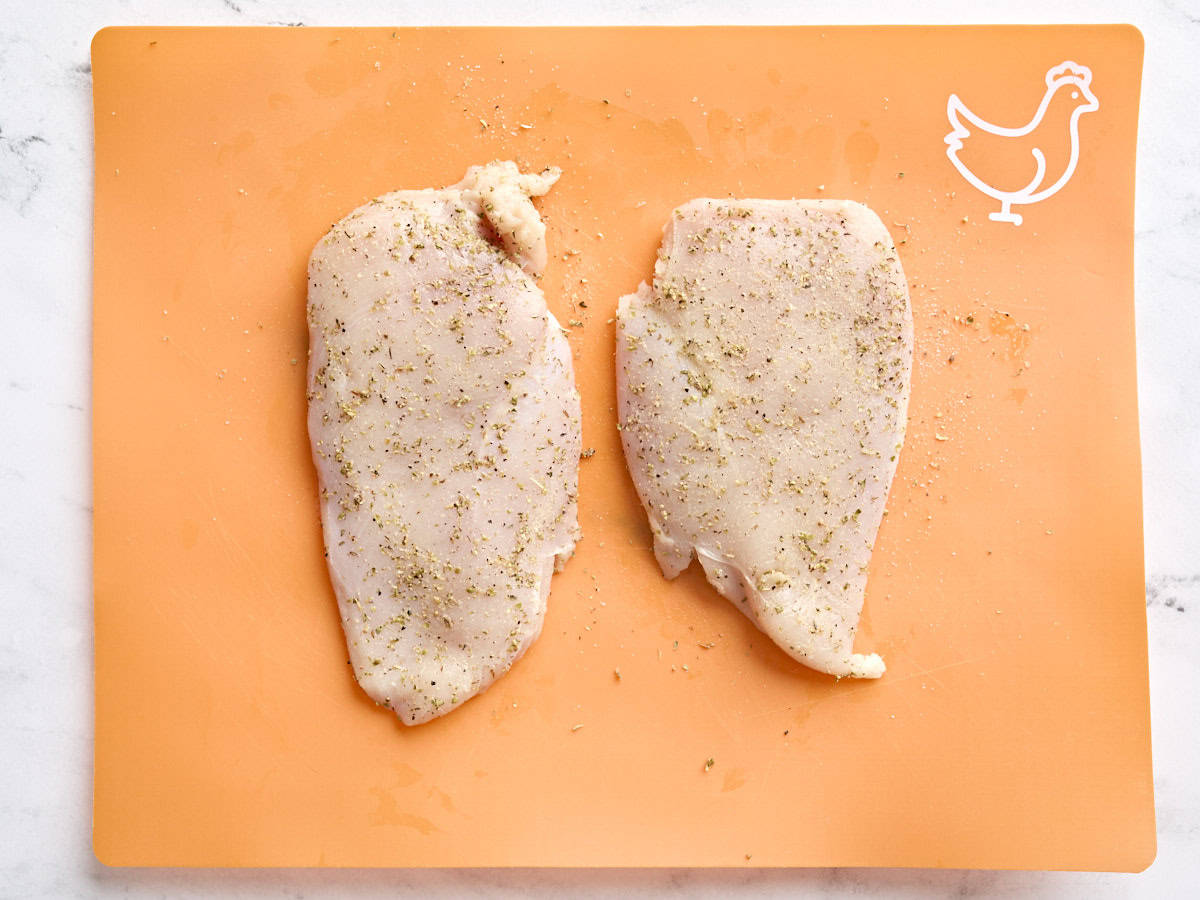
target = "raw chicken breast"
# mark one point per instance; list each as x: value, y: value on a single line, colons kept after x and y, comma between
x: 763, y: 390
x: 445, y: 430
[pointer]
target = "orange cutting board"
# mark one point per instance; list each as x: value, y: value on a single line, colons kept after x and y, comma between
x: 1006, y: 587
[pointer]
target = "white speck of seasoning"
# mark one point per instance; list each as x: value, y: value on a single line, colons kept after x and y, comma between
x: 575, y: 728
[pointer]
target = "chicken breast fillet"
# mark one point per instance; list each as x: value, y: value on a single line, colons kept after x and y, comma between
x: 763, y: 389
x: 445, y: 430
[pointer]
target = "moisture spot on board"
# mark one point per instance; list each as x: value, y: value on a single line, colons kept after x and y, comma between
x: 189, y: 534
x: 862, y: 149
x: 733, y: 780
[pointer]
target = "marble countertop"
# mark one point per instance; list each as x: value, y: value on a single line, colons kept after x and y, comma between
x: 45, y: 647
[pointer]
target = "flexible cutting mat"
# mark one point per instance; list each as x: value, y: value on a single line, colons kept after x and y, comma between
x: 1006, y: 589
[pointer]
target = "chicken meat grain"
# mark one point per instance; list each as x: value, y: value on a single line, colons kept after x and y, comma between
x: 445, y: 429
x: 762, y: 387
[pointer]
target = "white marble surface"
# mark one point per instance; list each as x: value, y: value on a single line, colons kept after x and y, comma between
x: 45, y: 589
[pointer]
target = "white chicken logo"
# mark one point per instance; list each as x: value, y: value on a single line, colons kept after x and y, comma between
x: 1002, y: 153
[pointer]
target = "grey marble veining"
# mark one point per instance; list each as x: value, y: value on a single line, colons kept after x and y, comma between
x: 45, y: 590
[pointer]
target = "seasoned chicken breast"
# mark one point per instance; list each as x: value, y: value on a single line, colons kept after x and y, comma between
x: 445, y: 430
x: 763, y: 386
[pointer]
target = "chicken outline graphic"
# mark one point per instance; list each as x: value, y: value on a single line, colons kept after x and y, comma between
x: 1067, y: 75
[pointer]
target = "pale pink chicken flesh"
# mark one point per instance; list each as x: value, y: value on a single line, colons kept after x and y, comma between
x: 762, y: 386
x: 445, y: 429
